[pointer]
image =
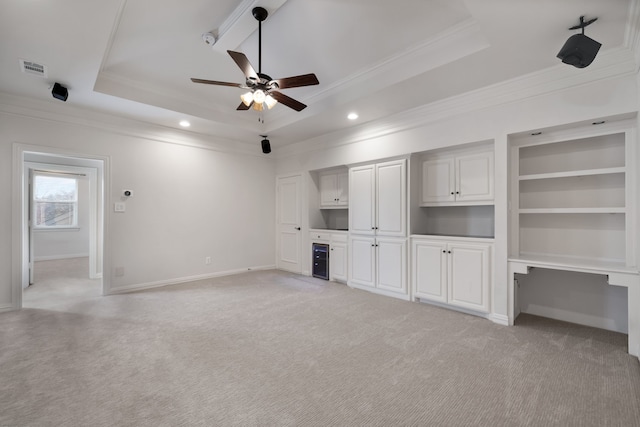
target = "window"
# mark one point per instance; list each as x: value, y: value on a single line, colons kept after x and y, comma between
x: 55, y: 202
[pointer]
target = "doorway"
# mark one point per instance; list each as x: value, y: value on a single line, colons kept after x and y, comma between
x: 47, y: 253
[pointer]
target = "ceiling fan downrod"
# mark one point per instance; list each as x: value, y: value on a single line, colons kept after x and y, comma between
x: 260, y: 14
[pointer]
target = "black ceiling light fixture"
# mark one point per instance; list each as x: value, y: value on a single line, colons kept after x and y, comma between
x: 579, y: 50
x: 262, y: 89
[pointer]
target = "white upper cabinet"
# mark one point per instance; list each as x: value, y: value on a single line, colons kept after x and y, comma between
x: 378, y: 199
x: 465, y: 179
x: 362, y: 200
x: 334, y: 190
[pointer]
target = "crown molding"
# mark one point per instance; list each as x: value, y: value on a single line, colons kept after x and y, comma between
x: 613, y: 63
x: 632, y: 30
x: 74, y: 116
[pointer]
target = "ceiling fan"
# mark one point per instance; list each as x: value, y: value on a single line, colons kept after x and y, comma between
x: 263, y: 90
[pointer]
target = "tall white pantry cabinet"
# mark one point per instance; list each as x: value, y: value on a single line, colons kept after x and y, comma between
x: 378, y: 228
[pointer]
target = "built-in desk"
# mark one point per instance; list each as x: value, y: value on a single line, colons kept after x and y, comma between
x: 617, y: 275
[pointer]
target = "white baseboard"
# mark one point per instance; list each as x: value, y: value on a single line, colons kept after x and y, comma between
x: 179, y: 280
x: 57, y: 257
x: 404, y: 297
x: 500, y: 319
x: 6, y: 307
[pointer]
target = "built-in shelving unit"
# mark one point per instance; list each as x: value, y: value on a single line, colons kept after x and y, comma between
x: 572, y: 200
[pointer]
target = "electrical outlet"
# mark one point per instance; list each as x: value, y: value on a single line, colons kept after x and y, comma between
x: 119, y: 271
x: 119, y: 207
x: 207, y: 260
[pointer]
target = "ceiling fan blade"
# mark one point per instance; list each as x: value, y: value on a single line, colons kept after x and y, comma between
x: 213, y: 82
x: 243, y: 107
x: 244, y: 64
x: 289, y: 102
x: 297, y: 81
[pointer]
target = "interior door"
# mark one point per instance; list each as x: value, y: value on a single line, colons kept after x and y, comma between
x: 289, y: 216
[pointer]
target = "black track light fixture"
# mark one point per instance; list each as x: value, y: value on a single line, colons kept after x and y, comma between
x: 579, y: 50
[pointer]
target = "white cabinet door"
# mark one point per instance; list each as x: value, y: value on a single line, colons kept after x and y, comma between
x: 474, y: 177
x: 438, y: 181
x: 469, y: 276
x: 338, y: 261
x: 362, y: 262
x: 429, y: 267
x: 342, y: 189
x: 328, y: 183
x: 391, y: 261
x: 362, y: 199
x: 391, y: 202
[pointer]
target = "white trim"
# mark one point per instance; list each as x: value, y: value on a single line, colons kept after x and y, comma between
x: 500, y: 319
x: 378, y: 291
x: 186, y: 279
x: 57, y: 257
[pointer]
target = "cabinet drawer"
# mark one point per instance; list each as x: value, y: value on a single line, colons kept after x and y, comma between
x: 339, y: 238
x: 315, y: 236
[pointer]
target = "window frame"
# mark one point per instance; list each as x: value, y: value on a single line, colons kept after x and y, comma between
x: 34, y: 203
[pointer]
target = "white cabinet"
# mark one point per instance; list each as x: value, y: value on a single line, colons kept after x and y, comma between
x: 338, y: 261
x: 334, y: 190
x: 378, y: 199
x: 461, y: 179
x: 456, y: 273
x: 378, y: 264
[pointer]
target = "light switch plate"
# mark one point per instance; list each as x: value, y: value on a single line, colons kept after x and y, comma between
x: 119, y: 207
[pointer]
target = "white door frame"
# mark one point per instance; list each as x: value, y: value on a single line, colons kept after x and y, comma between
x: 19, y: 220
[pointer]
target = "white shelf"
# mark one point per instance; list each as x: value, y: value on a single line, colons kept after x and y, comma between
x: 573, y: 211
x: 585, y: 265
x: 576, y: 173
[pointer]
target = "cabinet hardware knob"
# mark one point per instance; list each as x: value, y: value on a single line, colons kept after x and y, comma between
x: 457, y: 192
x: 449, y: 252
x: 452, y: 192
x: 444, y: 252
x: 297, y: 228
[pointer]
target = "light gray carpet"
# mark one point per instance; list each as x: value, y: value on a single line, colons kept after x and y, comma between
x: 276, y: 349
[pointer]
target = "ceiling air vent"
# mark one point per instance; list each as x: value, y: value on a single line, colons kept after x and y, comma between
x: 33, y: 68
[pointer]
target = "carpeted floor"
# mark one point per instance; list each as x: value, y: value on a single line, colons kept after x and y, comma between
x: 269, y: 348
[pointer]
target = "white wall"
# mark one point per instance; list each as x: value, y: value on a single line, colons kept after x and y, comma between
x: 59, y: 244
x: 191, y: 199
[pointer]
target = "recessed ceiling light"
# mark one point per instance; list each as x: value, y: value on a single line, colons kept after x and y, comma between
x: 184, y: 123
x: 352, y: 116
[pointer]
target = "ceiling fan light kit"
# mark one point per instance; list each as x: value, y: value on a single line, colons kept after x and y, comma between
x: 262, y: 88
